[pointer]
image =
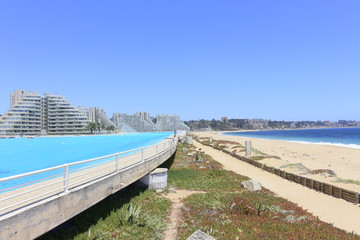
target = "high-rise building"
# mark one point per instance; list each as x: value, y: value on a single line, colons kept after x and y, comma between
x: 24, y: 115
x: 61, y: 117
x: 166, y: 122
x: 98, y: 115
x: 32, y: 114
x: 139, y: 122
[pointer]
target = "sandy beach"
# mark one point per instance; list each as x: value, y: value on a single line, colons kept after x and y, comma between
x: 345, y: 162
x: 338, y: 212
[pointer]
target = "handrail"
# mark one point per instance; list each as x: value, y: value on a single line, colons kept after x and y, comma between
x: 64, y: 182
x: 71, y: 164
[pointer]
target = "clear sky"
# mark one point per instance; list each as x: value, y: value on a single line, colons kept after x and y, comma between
x: 279, y: 60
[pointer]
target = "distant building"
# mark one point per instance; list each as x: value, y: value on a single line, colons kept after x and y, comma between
x: 146, y: 117
x: 98, y: 115
x: 224, y: 119
x: 139, y: 122
x: 166, y: 122
x: 61, y: 117
x: 24, y: 116
x: 33, y: 114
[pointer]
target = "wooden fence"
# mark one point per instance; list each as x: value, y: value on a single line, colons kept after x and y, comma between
x: 326, y: 188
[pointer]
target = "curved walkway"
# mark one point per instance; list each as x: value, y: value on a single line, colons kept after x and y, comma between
x: 340, y: 213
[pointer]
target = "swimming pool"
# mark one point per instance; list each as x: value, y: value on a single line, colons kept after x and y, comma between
x: 20, y: 155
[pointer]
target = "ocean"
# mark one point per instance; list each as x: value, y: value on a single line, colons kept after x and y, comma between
x: 345, y: 137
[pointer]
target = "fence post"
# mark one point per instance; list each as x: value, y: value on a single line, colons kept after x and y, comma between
x: 142, y: 155
x: 248, y: 148
x: 331, y: 190
x: 156, y: 147
x: 66, y: 178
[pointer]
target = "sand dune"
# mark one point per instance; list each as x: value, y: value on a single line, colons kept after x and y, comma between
x: 345, y: 162
x: 342, y: 214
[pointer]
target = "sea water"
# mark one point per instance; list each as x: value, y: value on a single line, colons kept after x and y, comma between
x: 346, y: 137
x: 20, y: 155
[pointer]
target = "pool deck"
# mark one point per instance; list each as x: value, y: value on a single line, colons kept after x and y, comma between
x: 48, y: 199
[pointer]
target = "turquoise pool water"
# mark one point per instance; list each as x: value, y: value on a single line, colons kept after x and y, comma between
x: 20, y: 155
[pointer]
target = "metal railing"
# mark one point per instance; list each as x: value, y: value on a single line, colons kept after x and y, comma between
x: 28, y: 188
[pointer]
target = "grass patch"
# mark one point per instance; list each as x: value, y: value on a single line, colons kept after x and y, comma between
x: 227, y: 215
x: 256, y: 151
x: 258, y: 158
x: 351, y: 181
x: 130, y: 214
x: 226, y: 211
x: 210, y: 180
x: 298, y: 166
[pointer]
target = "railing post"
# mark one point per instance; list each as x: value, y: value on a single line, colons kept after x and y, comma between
x: 164, y: 146
x: 156, y: 149
x: 142, y: 155
x: 117, y: 162
x: 66, y: 178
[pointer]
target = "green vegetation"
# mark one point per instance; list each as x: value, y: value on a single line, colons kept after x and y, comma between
x: 205, y: 180
x: 258, y: 158
x: 129, y: 214
x: 227, y: 211
x: 110, y: 128
x: 298, y: 166
x: 92, y: 127
x: 224, y: 210
x: 341, y: 180
x: 256, y: 151
x: 234, y: 147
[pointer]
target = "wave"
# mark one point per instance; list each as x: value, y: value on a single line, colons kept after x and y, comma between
x: 338, y: 144
x: 356, y: 146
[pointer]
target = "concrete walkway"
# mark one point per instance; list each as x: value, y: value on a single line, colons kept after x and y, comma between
x: 340, y: 213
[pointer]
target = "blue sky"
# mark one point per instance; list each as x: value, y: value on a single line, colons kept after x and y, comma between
x: 280, y: 60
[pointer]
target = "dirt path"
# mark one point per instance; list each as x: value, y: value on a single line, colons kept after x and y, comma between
x: 340, y: 213
x: 176, y: 199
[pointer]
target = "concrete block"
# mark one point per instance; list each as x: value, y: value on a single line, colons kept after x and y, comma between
x: 251, y: 185
x: 199, y: 235
x: 157, y: 179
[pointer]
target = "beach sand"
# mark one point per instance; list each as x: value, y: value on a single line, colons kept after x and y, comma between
x: 338, y: 212
x: 345, y: 162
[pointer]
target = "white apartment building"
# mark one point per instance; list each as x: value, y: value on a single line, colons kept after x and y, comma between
x: 61, y: 117
x: 98, y: 115
x: 24, y: 115
x: 32, y: 114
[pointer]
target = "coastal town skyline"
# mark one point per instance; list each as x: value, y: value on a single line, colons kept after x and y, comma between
x: 33, y: 114
x: 276, y: 60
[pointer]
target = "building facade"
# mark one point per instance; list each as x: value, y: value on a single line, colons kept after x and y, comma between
x: 61, y: 117
x: 33, y: 114
x: 165, y: 122
x: 98, y: 115
x: 24, y: 116
x: 134, y: 123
